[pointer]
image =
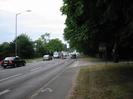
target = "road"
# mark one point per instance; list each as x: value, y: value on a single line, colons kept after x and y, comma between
x: 39, y: 80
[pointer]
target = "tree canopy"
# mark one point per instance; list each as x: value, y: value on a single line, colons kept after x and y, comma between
x: 92, y: 23
x: 25, y: 46
x: 6, y: 49
x: 41, y: 44
x: 55, y: 45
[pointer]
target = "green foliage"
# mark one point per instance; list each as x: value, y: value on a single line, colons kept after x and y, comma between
x: 44, y: 45
x: 40, y: 46
x: 6, y: 49
x: 45, y: 37
x: 55, y: 45
x: 77, y: 32
x: 25, y: 46
x: 91, y: 23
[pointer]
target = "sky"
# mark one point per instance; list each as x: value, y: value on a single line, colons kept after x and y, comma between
x: 45, y: 16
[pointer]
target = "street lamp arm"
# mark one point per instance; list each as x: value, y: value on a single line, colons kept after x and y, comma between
x: 18, y: 14
x: 23, y: 12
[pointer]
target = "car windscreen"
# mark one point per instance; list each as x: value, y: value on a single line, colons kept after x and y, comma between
x: 9, y: 58
x: 46, y: 55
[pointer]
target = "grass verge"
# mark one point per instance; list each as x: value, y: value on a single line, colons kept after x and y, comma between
x: 113, y: 81
x: 90, y: 59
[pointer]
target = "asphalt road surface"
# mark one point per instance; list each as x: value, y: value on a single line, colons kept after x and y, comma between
x: 39, y: 80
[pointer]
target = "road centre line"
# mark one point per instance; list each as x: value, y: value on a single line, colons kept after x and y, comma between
x: 4, y: 92
x: 46, y: 85
x: 10, y: 77
x: 20, y: 74
x: 43, y: 88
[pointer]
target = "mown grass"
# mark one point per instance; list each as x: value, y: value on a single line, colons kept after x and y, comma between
x: 91, y: 59
x: 112, y: 81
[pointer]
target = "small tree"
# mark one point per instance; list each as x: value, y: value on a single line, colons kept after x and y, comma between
x: 25, y: 46
x: 6, y: 49
x: 40, y: 46
x: 45, y: 37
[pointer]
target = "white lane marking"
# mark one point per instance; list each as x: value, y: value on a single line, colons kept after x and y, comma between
x: 47, y: 90
x: 4, y: 92
x: 35, y: 69
x: 10, y: 77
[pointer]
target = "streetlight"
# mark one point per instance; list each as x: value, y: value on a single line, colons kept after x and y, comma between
x: 16, y: 19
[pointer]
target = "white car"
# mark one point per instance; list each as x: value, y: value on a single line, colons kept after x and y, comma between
x: 47, y: 57
x: 56, y: 55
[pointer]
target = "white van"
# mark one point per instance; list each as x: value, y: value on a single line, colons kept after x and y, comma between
x: 56, y: 55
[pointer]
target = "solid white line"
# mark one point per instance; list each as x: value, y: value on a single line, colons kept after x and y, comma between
x: 4, y: 92
x: 35, y: 69
x: 9, y: 77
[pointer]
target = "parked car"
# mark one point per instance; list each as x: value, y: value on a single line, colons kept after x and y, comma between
x: 47, y: 57
x: 13, y: 62
x: 0, y: 62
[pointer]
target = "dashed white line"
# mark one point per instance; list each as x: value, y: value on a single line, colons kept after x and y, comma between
x: 17, y: 75
x: 10, y: 77
x: 47, y: 90
x: 44, y: 87
x: 4, y: 92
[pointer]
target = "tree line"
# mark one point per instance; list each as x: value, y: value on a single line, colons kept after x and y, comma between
x: 92, y: 25
x: 26, y: 48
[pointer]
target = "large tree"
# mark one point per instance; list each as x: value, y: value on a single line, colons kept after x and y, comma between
x: 77, y: 31
x: 92, y: 23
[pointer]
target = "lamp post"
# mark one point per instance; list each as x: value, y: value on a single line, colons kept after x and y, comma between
x: 16, y: 19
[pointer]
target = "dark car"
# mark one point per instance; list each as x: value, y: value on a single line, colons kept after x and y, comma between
x: 12, y: 62
x: 73, y: 56
x: 0, y: 62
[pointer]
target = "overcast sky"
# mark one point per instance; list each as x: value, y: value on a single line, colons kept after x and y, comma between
x: 45, y: 16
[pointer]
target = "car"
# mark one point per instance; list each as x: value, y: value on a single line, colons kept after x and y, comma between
x: 73, y: 56
x: 56, y: 55
x: 13, y: 62
x: 0, y: 62
x: 47, y: 57
x: 64, y: 55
